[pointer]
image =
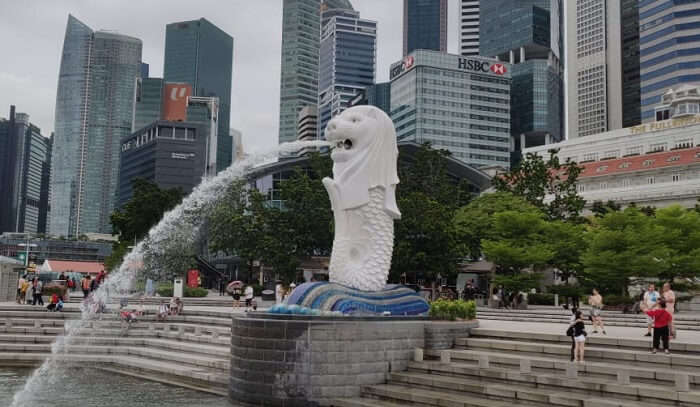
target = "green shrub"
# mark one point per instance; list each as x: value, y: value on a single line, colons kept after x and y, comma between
x: 614, y: 300
x: 49, y: 290
x: 195, y: 292
x: 166, y: 290
x: 540, y: 299
x: 453, y: 309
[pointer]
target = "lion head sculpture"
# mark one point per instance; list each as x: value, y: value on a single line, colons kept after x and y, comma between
x: 364, y: 157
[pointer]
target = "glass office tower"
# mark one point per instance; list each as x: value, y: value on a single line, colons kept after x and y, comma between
x: 201, y: 54
x: 347, y: 61
x: 24, y: 170
x: 669, y: 48
x: 94, y: 108
x: 527, y: 33
x: 424, y: 25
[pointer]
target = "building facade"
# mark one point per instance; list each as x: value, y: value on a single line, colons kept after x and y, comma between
x: 460, y: 104
x: 170, y: 154
x: 527, y: 33
x: 347, y: 61
x: 94, y: 109
x: 53, y: 249
x: 301, y: 25
x: 201, y: 54
x: 147, y: 103
x: 424, y: 25
x: 602, y: 92
x: 469, y: 28
x: 669, y: 48
x: 307, y: 129
x: 656, y: 164
x: 24, y: 175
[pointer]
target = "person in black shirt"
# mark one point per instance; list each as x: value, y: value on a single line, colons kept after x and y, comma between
x: 579, y: 336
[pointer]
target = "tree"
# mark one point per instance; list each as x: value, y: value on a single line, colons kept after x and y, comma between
x: 133, y: 221
x: 425, y: 237
x: 145, y: 208
x: 681, y: 236
x: 600, y: 209
x: 307, y: 209
x: 474, y: 222
x: 623, y: 246
x: 547, y: 184
x: 568, y: 243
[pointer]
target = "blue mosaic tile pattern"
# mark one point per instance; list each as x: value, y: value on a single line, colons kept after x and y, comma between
x: 322, y: 298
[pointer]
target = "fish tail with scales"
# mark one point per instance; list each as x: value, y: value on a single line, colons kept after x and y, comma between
x: 363, y: 262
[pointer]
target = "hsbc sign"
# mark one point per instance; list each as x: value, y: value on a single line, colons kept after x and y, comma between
x: 402, y: 67
x: 481, y: 66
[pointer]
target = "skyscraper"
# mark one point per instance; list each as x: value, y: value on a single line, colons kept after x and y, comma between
x: 469, y: 23
x: 347, y: 61
x: 424, y: 25
x: 201, y: 54
x: 669, y: 49
x: 299, y: 78
x: 602, y: 87
x: 26, y: 156
x: 527, y: 34
x: 94, y: 109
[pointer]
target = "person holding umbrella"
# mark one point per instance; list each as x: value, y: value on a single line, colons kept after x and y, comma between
x: 235, y: 288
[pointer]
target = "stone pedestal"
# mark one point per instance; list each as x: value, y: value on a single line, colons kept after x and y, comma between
x: 289, y: 360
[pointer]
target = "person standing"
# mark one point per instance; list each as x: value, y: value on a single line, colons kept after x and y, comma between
x: 670, y: 298
x: 651, y: 297
x: 279, y: 292
x: 662, y: 320
x: 596, y: 303
x: 37, y: 293
x: 85, y: 284
x: 25, y: 291
x: 20, y: 284
x: 249, y: 294
x: 469, y: 292
x: 570, y: 332
x: 236, y: 293
x: 579, y: 336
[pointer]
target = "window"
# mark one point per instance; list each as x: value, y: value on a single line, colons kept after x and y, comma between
x: 684, y: 143
x: 603, y: 185
x: 590, y: 157
x: 650, y: 180
x: 676, y: 177
x: 657, y: 147
x: 581, y: 188
x: 611, y: 154
x: 626, y: 183
x: 636, y: 150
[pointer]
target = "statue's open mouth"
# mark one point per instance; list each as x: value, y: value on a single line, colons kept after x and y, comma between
x: 344, y: 144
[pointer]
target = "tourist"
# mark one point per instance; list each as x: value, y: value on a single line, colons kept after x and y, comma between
x: 59, y: 305
x: 596, y: 303
x: 163, y: 312
x: 501, y: 293
x: 94, y: 284
x: 579, y: 335
x: 180, y: 305
x: 570, y: 331
x: 662, y: 320
x: 469, y: 292
x: 236, y: 293
x: 38, y: 287
x: 62, y: 276
x: 20, y: 284
x: 53, y: 303
x: 85, y: 284
x: 670, y: 298
x: 222, y: 287
x: 279, y: 292
x: 173, y: 306
x: 649, y: 303
x: 249, y: 294
x: 25, y: 291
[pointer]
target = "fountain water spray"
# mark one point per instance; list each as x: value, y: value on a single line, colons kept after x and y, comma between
x: 181, y: 223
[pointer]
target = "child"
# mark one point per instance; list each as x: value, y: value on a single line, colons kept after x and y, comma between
x: 662, y: 320
x: 579, y: 336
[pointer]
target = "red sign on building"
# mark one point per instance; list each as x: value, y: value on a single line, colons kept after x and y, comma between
x: 175, y: 101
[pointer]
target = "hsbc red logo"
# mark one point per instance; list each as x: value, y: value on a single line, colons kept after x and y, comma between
x: 498, y: 69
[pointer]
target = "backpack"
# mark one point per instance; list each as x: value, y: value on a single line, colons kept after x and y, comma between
x: 570, y: 331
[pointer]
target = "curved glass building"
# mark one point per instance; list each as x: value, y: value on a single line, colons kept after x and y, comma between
x: 94, y: 108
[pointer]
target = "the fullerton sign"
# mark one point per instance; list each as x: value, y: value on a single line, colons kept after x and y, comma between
x: 666, y: 124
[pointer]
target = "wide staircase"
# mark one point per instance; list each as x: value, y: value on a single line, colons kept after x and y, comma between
x: 684, y: 321
x: 503, y: 368
x: 190, y: 350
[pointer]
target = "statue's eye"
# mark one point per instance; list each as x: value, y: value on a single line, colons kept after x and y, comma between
x: 348, y: 144
x: 355, y: 119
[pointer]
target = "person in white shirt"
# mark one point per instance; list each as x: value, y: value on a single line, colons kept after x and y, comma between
x: 279, y: 292
x: 249, y: 294
x: 651, y: 297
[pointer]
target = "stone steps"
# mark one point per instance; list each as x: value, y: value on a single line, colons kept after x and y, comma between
x: 210, y: 380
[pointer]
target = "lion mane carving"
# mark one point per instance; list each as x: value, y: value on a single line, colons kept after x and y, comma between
x: 363, y: 197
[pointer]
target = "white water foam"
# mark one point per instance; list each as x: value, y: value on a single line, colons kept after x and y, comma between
x: 180, y: 225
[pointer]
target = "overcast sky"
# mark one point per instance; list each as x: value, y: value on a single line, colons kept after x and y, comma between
x: 33, y: 31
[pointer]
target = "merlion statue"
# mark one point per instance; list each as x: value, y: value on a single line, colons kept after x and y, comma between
x: 363, y: 198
